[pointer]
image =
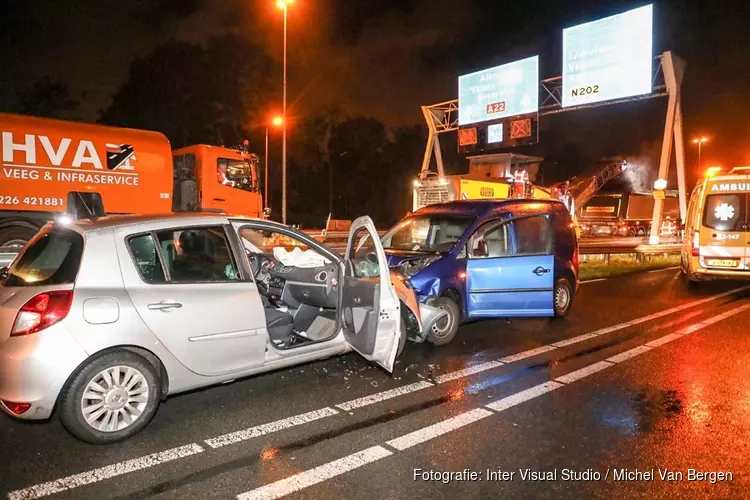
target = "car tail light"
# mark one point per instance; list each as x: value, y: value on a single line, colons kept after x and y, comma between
x: 695, y: 246
x: 17, y: 408
x: 42, y: 311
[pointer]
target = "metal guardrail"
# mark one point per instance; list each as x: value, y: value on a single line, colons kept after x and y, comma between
x: 585, y: 248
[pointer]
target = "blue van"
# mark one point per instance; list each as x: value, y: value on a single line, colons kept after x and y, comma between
x: 487, y: 259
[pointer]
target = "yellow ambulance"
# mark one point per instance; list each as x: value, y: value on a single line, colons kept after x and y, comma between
x: 717, y: 239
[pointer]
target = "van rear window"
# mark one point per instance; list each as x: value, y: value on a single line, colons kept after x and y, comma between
x: 50, y: 258
x: 725, y: 212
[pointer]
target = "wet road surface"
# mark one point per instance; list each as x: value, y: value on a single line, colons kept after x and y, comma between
x: 645, y: 377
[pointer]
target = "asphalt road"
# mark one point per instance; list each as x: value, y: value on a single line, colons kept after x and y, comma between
x: 644, y: 377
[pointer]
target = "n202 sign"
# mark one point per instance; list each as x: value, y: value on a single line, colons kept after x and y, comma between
x: 608, y: 59
x: 508, y: 90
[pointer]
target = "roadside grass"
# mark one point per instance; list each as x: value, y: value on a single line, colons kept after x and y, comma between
x: 595, y: 267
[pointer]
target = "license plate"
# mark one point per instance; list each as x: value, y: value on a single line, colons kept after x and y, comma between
x: 723, y: 262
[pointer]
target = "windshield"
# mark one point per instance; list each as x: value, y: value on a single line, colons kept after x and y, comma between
x: 236, y: 173
x: 428, y: 233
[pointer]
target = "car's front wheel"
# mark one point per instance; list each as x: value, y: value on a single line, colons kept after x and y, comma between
x: 563, y: 297
x: 443, y: 331
x: 110, y: 398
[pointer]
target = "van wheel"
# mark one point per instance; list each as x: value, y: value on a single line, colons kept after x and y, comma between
x: 563, y: 297
x: 444, y: 330
x: 111, y: 398
x: 15, y: 238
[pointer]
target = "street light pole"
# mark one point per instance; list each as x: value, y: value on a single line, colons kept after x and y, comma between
x: 699, y: 142
x: 283, y: 132
x: 265, y: 177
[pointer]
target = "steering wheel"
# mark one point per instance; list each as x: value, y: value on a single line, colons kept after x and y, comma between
x: 255, y: 263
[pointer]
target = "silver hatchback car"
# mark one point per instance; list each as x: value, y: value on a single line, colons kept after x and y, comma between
x: 103, y: 319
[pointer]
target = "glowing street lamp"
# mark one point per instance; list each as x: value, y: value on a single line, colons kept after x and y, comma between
x: 660, y: 184
x: 284, y: 6
x: 700, y: 141
x: 276, y: 122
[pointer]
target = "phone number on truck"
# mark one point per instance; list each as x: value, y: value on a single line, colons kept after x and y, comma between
x: 31, y: 200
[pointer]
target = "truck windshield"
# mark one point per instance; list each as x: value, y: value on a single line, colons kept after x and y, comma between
x: 236, y: 173
x: 51, y: 258
x: 429, y: 233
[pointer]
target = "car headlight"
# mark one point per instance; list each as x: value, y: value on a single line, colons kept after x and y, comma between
x: 412, y: 267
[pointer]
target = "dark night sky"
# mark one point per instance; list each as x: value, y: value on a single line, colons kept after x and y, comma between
x: 385, y: 58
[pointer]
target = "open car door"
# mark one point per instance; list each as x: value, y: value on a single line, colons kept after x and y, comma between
x: 369, y: 304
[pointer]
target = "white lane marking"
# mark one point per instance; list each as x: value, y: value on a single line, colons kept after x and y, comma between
x: 594, y: 280
x: 575, y: 340
x: 446, y: 377
x: 165, y: 456
x: 382, y: 396
x: 317, y: 475
x: 624, y: 356
x: 95, y: 475
x: 527, y: 354
x: 663, y: 340
x: 270, y: 427
x: 338, y: 467
x: 691, y: 328
x: 520, y: 397
x: 583, y: 372
x: 438, y: 429
x: 663, y: 269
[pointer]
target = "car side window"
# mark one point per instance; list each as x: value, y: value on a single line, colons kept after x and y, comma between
x: 532, y: 235
x: 198, y: 254
x: 516, y: 237
x: 146, y: 258
x: 498, y: 241
x: 364, y: 255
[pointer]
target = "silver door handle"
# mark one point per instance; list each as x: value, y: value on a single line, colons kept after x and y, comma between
x: 164, y: 305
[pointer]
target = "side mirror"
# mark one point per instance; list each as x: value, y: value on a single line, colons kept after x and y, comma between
x: 481, y: 250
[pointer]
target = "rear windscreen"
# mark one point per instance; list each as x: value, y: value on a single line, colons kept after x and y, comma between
x: 725, y: 212
x: 51, y: 258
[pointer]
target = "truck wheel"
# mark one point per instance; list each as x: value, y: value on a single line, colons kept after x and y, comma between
x: 14, y: 238
x: 445, y: 329
x: 110, y: 398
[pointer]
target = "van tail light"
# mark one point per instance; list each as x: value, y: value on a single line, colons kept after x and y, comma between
x: 42, y: 311
x: 695, y: 245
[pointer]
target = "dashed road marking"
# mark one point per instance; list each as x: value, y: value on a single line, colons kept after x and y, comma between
x: 520, y: 397
x: 471, y: 370
x: 584, y: 372
x: 317, y: 475
x: 438, y: 429
x: 263, y: 429
x: 663, y: 340
x: 382, y: 396
x: 110, y: 471
x: 332, y: 469
x: 624, y: 356
x: 136, y: 464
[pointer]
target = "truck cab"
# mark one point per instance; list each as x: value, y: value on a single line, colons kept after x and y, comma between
x: 213, y: 178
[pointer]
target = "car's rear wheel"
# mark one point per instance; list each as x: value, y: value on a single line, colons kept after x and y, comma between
x: 563, y: 297
x: 443, y: 331
x: 111, y: 398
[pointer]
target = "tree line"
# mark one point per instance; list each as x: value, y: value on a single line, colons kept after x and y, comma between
x: 222, y: 92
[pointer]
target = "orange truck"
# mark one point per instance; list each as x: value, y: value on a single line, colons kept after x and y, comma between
x: 48, y: 164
